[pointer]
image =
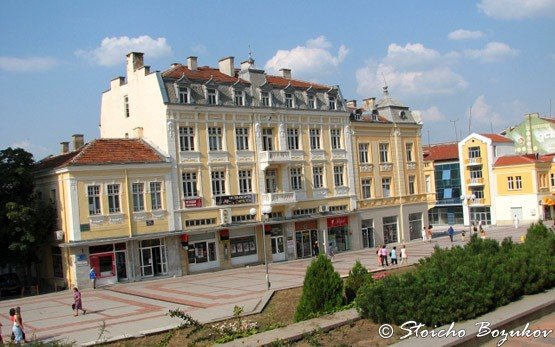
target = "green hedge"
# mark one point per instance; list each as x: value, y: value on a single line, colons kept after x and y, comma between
x: 463, y: 283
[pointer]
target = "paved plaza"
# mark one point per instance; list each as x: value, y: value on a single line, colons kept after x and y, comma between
x: 135, y: 308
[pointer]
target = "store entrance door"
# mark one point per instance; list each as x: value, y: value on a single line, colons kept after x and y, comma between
x: 304, y: 241
x: 278, y: 248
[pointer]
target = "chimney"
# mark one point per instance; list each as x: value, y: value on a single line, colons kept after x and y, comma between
x: 226, y: 66
x: 192, y: 63
x: 65, y: 147
x: 286, y: 73
x: 247, y: 64
x: 368, y: 104
x: 138, y: 132
x: 352, y: 104
x: 134, y: 61
x: 78, y: 141
x: 175, y: 65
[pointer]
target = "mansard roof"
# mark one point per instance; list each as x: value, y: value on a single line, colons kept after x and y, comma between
x: 282, y: 82
x: 201, y: 75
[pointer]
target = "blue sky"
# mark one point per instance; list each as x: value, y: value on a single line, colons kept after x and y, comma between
x: 439, y: 57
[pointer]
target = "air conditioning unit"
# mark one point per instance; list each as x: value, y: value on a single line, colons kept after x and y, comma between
x: 225, y: 216
x: 323, y: 208
x: 59, y: 235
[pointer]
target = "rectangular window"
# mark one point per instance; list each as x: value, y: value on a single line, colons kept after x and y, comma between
x: 408, y: 150
x: 292, y: 138
x: 384, y: 153
x: 183, y: 95
x: 510, y: 183
x: 366, y: 188
x: 412, y: 186
x: 126, y: 106
x: 138, y: 190
x: 332, y: 104
x: 113, y: 198
x: 338, y: 175
x: 363, y: 153
x: 296, y: 178
x: 314, y: 138
x: 474, y: 152
x: 311, y: 102
x: 211, y: 96
x: 267, y: 139
x: 271, y: 180
x: 242, y: 246
x: 239, y: 98
x: 93, y: 193
x: 335, y: 138
x: 318, y: 176
x: 518, y: 182
x: 242, y: 139
x: 215, y: 138
x: 428, y: 184
x: 386, y: 187
x: 189, y: 184
x: 289, y: 100
x: 552, y: 179
x: 265, y: 98
x: 245, y: 181
x: 186, y: 139
x: 218, y: 183
x: 446, y: 175
x: 156, y: 195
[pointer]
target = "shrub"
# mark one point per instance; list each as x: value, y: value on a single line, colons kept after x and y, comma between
x: 322, y: 290
x: 358, y: 276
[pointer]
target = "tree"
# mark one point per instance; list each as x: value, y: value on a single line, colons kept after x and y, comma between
x: 26, y: 222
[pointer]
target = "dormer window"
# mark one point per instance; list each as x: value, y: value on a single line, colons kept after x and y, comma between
x: 211, y: 96
x: 289, y: 100
x: 332, y: 102
x: 311, y: 101
x: 265, y: 99
x: 239, y: 98
x: 183, y: 95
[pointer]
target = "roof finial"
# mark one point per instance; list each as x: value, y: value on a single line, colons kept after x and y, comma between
x: 250, y: 53
x: 385, y: 91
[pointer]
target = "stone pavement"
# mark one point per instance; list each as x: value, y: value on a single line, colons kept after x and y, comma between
x: 136, y: 308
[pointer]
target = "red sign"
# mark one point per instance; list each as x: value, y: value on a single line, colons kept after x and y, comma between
x: 185, y: 238
x: 197, y: 202
x: 338, y: 222
x: 224, y: 234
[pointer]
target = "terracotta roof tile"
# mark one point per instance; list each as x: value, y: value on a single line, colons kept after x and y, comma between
x: 520, y: 160
x: 103, y: 152
x: 282, y: 82
x: 497, y: 138
x: 439, y: 152
x: 202, y: 74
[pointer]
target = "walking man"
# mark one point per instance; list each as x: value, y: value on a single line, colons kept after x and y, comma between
x: 451, y: 232
x: 92, y: 276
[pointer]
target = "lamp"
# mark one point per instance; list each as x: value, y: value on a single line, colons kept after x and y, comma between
x: 266, y: 210
x: 468, y: 198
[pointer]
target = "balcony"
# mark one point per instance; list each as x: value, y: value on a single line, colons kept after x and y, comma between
x: 189, y: 157
x: 297, y: 155
x: 245, y: 156
x: 218, y: 157
x: 338, y: 154
x: 477, y: 201
x: 341, y: 191
x: 476, y: 181
x: 275, y: 157
x: 474, y: 161
x: 386, y: 167
x: 317, y: 154
x: 279, y: 198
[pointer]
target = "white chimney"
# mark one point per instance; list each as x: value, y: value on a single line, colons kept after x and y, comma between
x: 368, y: 103
x: 138, y: 132
x: 192, y: 63
x: 226, y: 66
x: 286, y: 73
x: 78, y: 141
x: 134, y: 61
x: 65, y: 147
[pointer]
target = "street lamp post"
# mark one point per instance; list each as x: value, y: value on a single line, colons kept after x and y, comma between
x: 467, y: 199
x: 266, y: 210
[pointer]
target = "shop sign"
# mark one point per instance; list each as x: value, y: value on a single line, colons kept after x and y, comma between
x: 235, y: 199
x: 338, y: 221
x: 224, y: 234
x: 306, y: 225
x: 197, y: 202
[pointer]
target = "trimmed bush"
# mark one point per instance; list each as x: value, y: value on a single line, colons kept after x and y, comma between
x: 358, y: 276
x: 463, y: 283
x: 322, y: 290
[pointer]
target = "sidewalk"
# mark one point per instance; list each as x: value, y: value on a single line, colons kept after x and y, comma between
x: 136, y: 308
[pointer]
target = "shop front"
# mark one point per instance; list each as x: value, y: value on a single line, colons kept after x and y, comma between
x: 306, y: 238
x: 277, y: 240
x: 338, y: 233
x: 367, y: 230
x: 202, y: 252
x: 415, y: 226
x: 108, y: 261
x: 390, y: 230
x: 242, y: 244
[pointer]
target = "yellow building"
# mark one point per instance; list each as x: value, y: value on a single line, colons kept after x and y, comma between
x: 242, y: 142
x: 113, y: 200
x: 391, y: 196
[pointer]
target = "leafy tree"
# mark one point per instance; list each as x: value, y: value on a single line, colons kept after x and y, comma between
x: 322, y: 290
x: 358, y: 276
x: 25, y: 221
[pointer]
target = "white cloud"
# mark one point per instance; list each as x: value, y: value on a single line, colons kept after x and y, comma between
x: 112, y: 49
x: 432, y: 114
x: 462, y: 34
x: 517, y: 9
x: 483, y: 114
x: 199, y: 49
x: 38, y: 151
x: 311, y: 61
x: 411, y: 70
x: 492, y: 52
x: 13, y: 64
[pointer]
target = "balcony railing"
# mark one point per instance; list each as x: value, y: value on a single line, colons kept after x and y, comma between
x: 317, y: 154
x: 245, y: 156
x: 474, y: 161
x: 279, y: 198
x: 275, y: 157
x: 476, y: 181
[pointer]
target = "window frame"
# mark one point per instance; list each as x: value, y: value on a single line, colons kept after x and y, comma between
x: 218, y: 182
x: 318, y: 177
x: 408, y: 151
x: 155, y: 190
x: 242, y: 138
x: 212, y: 96
x: 189, y: 184
x: 289, y: 100
x: 386, y: 187
x: 186, y: 139
x: 138, y: 196
x: 94, y: 200
x: 292, y: 139
x: 311, y: 101
x: 113, y: 192
x: 384, y: 152
x: 315, y: 142
x: 215, y: 139
x: 412, y: 184
x: 265, y: 98
x: 338, y: 175
x: 335, y: 138
x: 332, y: 102
x: 245, y: 181
x: 366, y: 188
x: 363, y: 153
x: 183, y: 91
x: 296, y: 178
x: 239, y: 97
x: 267, y: 139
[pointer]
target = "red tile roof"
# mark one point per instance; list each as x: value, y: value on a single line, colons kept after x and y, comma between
x: 202, y: 74
x: 439, y: 152
x: 520, y: 160
x: 497, y: 138
x: 282, y: 82
x: 103, y: 152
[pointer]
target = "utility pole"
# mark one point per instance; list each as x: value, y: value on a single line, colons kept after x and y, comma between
x: 455, y: 125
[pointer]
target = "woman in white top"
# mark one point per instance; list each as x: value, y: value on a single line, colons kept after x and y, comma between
x: 404, y: 257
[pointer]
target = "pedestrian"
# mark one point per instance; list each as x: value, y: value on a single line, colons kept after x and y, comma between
x: 424, y: 233
x: 482, y: 234
x: 516, y: 221
x: 463, y: 234
x: 429, y: 231
x: 77, y: 302
x: 384, y: 256
x: 315, y: 248
x: 474, y: 228
x: 451, y: 232
x: 404, y: 256
x: 379, y: 254
x: 20, y: 321
x: 92, y: 276
x: 330, y: 251
x: 17, y: 333
x: 393, y: 255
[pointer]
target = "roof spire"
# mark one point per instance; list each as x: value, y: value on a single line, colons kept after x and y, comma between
x: 385, y: 91
x: 250, y: 60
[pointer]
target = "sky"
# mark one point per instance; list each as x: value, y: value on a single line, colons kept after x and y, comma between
x: 462, y: 65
